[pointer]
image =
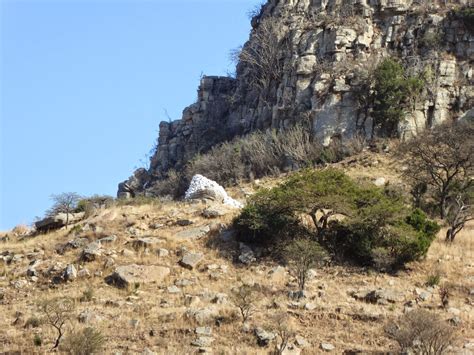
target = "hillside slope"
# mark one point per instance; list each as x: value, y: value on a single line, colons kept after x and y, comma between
x: 191, y: 310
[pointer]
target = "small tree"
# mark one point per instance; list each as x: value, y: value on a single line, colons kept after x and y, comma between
x: 302, y: 255
x: 57, y: 312
x: 443, y: 160
x: 395, y: 92
x: 459, y: 213
x: 244, y: 299
x: 284, y: 332
x: 65, y: 202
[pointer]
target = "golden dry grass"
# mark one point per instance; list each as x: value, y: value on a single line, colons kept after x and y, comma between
x: 164, y: 324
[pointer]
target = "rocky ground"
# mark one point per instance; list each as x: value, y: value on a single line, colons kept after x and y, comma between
x: 159, y: 278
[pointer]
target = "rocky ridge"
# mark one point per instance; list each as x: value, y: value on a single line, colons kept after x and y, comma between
x: 323, y: 50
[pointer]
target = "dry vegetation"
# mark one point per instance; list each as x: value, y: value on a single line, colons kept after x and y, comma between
x: 153, y: 316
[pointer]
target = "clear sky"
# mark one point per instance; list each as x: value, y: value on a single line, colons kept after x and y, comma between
x: 84, y: 85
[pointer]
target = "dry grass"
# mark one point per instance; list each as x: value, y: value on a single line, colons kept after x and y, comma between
x: 164, y: 326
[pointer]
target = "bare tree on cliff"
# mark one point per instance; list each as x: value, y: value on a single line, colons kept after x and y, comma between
x: 65, y: 202
x: 261, y: 56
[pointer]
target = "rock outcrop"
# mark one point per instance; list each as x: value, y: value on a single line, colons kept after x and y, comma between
x: 321, y: 51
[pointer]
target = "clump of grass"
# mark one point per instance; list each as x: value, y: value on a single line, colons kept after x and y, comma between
x: 87, y: 295
x: 37, y: 340
x: 33, y: 322
x: 433, y: 280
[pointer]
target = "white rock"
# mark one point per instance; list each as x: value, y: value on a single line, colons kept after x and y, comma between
x: 200, y: 184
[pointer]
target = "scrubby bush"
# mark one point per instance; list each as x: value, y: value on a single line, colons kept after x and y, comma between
x: 89, y: 205
x: 85, y: 342
x: 422, y: 332
x: 301, y: 256
x: 349, y: 219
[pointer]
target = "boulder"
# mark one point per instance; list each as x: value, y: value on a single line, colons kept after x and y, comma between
x: 263, y: 337
x: 327, y: 347
x: 191, y: 260
x: 58, y: 221
x: 204, y: 188
x: 193, y: 233
x: 70, y: 273
x: 128, y: 275
x: 91, y: 252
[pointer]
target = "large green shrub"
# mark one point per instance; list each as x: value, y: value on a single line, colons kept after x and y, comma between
x: 394, y: 93
x: 351, y: 220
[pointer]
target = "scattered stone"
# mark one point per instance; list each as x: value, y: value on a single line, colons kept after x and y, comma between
x: 327, y: 347
x: 145, y: 243
x: 134, y: 323
x: 87, y: 316
x: 247, y: 255
x: 184, y: 282
x: 83, y: 273
x: 454, y: 311
x: 380, y: 296
x: 184, y: 222
x: 107, y: 240
x: 207, y: 331
x: 91, y: 252
x: 214, y: 212
x: 162, y: 252
x: 301, y: 342
x: 203, y: 341
x: 380, y: 182
x: 456, y: 321
x: 156, y: 225
x: 129, y: 275
x: 310, y: 306
x: 191, y: 260
x: 173, y: 289
x: 263, y: 337
x: 70, y: 273
x: 204, y: 315
x: 193, y: 233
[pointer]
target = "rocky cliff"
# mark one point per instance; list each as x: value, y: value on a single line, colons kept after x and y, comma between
x: 310, y: 60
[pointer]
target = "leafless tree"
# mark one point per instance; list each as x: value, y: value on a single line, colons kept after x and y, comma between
x: 443, y: 159
x: 262, y: 54
x: 459, y: 213
x: 65, y: 202
x: 284, y: 332
x: 57, y: 312
x: 244, y: 299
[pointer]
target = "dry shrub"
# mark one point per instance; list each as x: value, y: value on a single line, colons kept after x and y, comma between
x: 85, y: 342
x: 21, y: 230
x: 423, y: 332
x: 257, y: 155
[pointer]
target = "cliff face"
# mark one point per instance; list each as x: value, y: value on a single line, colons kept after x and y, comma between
x: 309, y: 60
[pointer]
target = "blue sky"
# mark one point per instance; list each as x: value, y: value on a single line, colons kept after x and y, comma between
x: 84, y: 85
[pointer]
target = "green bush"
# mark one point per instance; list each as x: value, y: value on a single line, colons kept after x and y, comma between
x: 394, y: 93
x: 466, y: 14
x: 349, y: 219
x: 37, y: 340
